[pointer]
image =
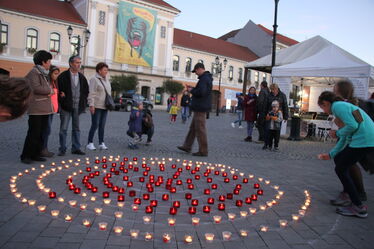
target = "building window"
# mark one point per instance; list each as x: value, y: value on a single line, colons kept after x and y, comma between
x: 74, y: 44
x: 214, y: 69
x: 32, y: 39
x: 102, y: 17
x: 54, y: 43
x: 240, y: 76
x: 175, y: 63
x: 231, y: 72
x: 256, y: 79
x: 188, y: 65
x: 4, y: 34
x: 163, y: 32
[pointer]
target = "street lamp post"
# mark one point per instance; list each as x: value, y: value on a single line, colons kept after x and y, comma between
x: 275, y: 26
x: 79, y: 44
x: 220, y: 69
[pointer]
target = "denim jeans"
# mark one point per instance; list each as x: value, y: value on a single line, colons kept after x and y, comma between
x: 250, y: 125
x: 75, y: 133
x: 98, y: 120
x: 185, y: 112
x: 47, y: 132
x: 240, y: 117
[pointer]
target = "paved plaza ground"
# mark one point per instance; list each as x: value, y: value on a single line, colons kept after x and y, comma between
x: 294, y: 168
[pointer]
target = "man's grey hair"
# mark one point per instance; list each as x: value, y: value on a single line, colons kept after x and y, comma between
x: 73, y: 57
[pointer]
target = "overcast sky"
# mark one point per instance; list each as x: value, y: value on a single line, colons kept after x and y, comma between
x: 347, y: 23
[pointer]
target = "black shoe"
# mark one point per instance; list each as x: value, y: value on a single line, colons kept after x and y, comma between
x: 265, y: 147
x: 248, y: 139
x: 199, y: 154
x: 276, y: 149
x: 61, y: 153
x: 26, y: 160
x: 183, y: 149
x: 78, y: 152
x: 38, y: 159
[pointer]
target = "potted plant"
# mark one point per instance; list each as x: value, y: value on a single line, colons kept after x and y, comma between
x: 31, y: 50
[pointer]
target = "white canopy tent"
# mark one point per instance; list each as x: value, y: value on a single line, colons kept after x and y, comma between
x: 320, y: 59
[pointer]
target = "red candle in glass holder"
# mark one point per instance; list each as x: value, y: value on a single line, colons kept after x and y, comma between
x: 122, y: 163
x: 149, y: 209
x: 210, y: 200
x: 239, y: 203
x: 126, y: 171
x: 94, y: 189
x: 235, y: 177
x: 116, y: 172
x: 175, y: 176
x: 132, y: 193
x: 153, y: 203
x: 188, y: 196
x: 115, y: 188
x: 236, y: 191
x: 91, y: 175
x: 173, y: 166
x: 137, y: 201
x: 148, y: 185
x: 209, y: 180
x: 221, y: 206
x: 227, y: 180
x: 229, y: 196
x: 176, y: 204
x: 71, y: 187
x: 141, y: 179
x: 129, y: 184
x: 238, y: 186
x: 157, y: 184
x: 125, y: 159
x: 214, y: 186
x: 52, y: 195
x: 121, y: 190
x: 121, y: 168
x: 88, y: 169
x: 109, y: 185
x: 114, y: 164
x: 224, y: 174
x: 105, y: 166
x: 145, y: 196
x: 260, y: 192
x: 69, y: 180
x: 194, y: 202
x: 221, y: 198
x: 165, y: 197
x: 206, y: 174
x: 245, y: 180
x: 206, y: 209
x: 152, y: 180
x: 179, y: 182
x: 254, y: 197
x: 97, y: 161
x: 190, y: 186
x: 180, y: 169
x: 216, y: 172
x: 97, y: 173
x: 188, y: 167
x: 192, y: 210
x: 197, y: 177
x: 121, y: 198
x: 88, y: 185
x: 145, y: 173
x: 112, y: 170
x: 256, y: 185
x: 150, y: 190
x: 125, y: 178
x: 193, y: 171
x: 173, y: 190
x: 131, y: 166
x: 189, y: 180
x: 105, y: 194
x: 248, y: 200
x: 173, y: 211
x: 207, y: 191
x: 135, y: 159
x: 77, y: 190
x: 109, y: 175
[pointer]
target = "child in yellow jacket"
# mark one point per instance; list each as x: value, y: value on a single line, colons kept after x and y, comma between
x: 173, y: 112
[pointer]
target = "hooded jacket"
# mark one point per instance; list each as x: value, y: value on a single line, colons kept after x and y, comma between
x: 201, y: 100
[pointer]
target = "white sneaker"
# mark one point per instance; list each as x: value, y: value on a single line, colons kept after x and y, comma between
x: 102, y: 146
x: 233, y: 125
x: 240, y: 127
x: 90, y: 146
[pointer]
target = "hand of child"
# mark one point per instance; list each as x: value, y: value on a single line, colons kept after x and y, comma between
x: 324, y: 156
x: 92, y: 110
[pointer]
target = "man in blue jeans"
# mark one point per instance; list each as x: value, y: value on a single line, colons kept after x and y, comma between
x: 239, y: 111
x: 73, y: 88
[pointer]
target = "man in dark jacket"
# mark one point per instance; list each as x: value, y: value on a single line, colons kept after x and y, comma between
x: 261, y: 107
x: 73, y: 89
x: 200, y: 104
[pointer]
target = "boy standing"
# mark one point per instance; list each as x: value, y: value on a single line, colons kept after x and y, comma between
x: 274, y: 119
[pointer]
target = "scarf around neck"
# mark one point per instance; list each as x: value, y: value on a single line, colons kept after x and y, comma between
x: 44, y: 71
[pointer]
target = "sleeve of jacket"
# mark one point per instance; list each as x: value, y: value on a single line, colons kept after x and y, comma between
x: 86, y: 88
x: 285, y: 107
x: 201, y: 88
x: 92, y: 91
x: 39, y: 85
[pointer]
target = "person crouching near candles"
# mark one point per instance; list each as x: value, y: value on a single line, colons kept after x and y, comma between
x: 356, y: 140
x: 135, y: 125
x: 274, y: 119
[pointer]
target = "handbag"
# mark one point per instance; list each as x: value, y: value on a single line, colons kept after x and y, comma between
x: 109, y: 102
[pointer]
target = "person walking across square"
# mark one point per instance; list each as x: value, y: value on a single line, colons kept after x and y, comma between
x: 73, y: 89
x: 200, y: 105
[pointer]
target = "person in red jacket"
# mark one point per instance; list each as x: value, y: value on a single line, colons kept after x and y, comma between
x: 249, y: 105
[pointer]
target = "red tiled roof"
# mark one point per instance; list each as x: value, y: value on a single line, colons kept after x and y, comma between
x: 162, y: 3
x: 208, y: 44
x: 52, y: 9
x: 280, y: 38
x: 229, y: 34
